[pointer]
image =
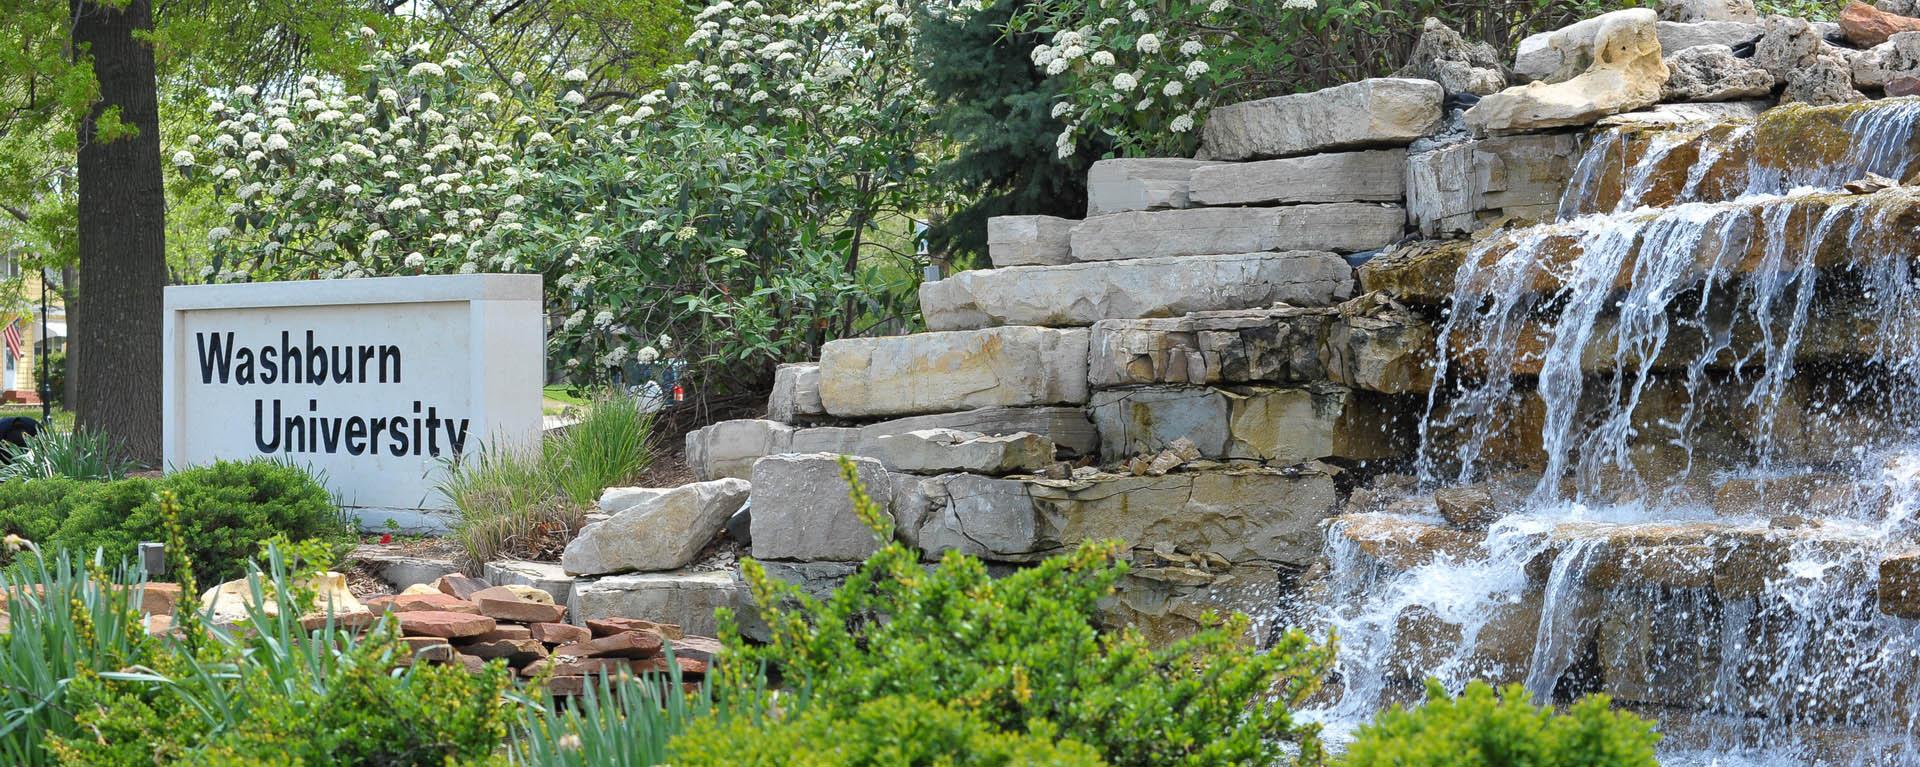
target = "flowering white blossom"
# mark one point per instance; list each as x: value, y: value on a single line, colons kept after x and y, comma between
x: 574, y: 98
x: 218, y: 233
x: 1301, y: 5
x: 849, y: 141
x: 1197, y: 69
x: 1173, y: 88
x: 1124, y: 82
x: 183, y: 159
x: 245, y: 91
x: 427, y: 68
x: 487, y: 97
x: 1147, y: 43
x: 1191, y: 48
x: 1101, y: 58
x: 415, y: 260
x: 1181, y: 124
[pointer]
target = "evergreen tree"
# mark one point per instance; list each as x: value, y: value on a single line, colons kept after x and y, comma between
x: 997, y: 107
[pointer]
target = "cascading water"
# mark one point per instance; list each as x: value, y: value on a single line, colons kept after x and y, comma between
x: 1695, y: 394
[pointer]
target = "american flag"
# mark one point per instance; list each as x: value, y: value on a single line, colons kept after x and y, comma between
x: 12, y: 336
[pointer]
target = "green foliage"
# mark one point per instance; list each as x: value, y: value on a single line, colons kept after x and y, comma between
x: 1024, y: 655
x: 230, y: 507
x: 997, y: 107
x: 1480, y: 729
x: 510, y: 500
x: 271, y: 693
x: 1815, y: 10
x: 65, y: 621
x: 1146, y: 78
x: 619, y: 722
x: 54, y: 374
x: 75, y: 454
x: 887, y: 732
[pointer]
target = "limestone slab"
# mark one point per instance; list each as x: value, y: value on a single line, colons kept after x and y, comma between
x: 940, y: 451
x: 1241, y: 516
x: 1145, y: 183
x: 1282, y: 426
x: 1564, y: 53
x: 1676, y: 37
x: 1067, y: 427
x: 1345, y: 227
x: 955, y: 370
x: 1708, y: 10
x: 729, y: 448
x: 1369, y: 113
x: 685, y: 599
x: 1029, y: 240
x: 1332, y: 177
x: 1387, y: 350
x: 1453, y: 190
x: 1713, y: 73
x: 802, y: 511
x: 665, y: 533
x: 796, y: 394
x: 545, y: 576
x: 1082, y: 294
x: 1168, y: 604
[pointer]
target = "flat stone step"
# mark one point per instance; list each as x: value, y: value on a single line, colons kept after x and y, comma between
x: 1346, y: 227
x: 1030, y: 240
x: 729, y: 448
x: 1261, y: 515
x: 1279, y: 426
x: 1150, y: 183
x: 684, y: 598
x: 953, y: 370
x: 1369, y: 113
x: 1366, y: 346
x: 1370, y: 176
x: 1082, y: 294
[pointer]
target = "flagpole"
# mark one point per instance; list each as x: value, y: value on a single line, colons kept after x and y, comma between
x: 46, y: 354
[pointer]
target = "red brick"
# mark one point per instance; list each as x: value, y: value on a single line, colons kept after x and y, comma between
x: 578, y: 666
x: 341, y: 621
x: 443, y: 624
x: 697, y: 647
x: 659, y: 665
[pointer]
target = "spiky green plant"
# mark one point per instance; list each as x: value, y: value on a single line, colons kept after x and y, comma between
x: 74, y: 453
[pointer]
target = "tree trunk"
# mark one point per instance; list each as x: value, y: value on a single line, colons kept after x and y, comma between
x: 122, y: 231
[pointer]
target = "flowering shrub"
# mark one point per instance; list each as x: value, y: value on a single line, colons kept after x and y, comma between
x: 1146, y: 74
x: 736, y: 218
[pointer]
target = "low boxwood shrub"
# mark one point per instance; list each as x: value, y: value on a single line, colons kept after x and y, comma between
x: 1024, y: 655
x: 229, y: 508
x: 887, y: 732
x: 1482, y: 729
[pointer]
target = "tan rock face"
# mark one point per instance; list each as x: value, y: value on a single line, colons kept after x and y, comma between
x: 1867, y: 26
x: 957, y: 370
x: 1627, y: 73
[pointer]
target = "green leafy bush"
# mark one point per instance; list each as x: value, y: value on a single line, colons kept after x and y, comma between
x: 230, y: 507
x: 1480, y: 729
x: 1024, y: 655
x: 888, y: 732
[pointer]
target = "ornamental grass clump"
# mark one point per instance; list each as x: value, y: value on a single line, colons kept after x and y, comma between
x: 1024, y: 654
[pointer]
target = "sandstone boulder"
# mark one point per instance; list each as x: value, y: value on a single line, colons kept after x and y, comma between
x: 796, y: 394
x: 801, y: 509
x: 956, y: 370
x: 1454, y: 190
x: 232, y: 602
x: 1082, y: 294
x: 665, y: 533
x: 1708, y: 10
x: 1144, y: 183
x: 1827, y: 81
x: 682, y: 598
x: 729, y: 448
x: 1896, y: 59
x: 1789, y: 45
x: 1340, y: 227
x: 1627, y: 74
x: 1867, y: 26
x: 1713, y: 73
x: 939, y: 451
x: 1445, y: 57
x: 1378, y: 112
x: 1368, y: 176
x: 1029, y: 240
x: 1270, y: 425
x: 1241, y: 516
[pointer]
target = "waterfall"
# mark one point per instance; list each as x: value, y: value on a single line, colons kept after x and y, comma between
x: 1699, y: 390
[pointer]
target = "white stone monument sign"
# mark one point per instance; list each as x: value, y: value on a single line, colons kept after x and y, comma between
x: 374, y: 383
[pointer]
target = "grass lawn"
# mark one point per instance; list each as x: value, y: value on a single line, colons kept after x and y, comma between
x: 556, y: 399
x: 62, y: 419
